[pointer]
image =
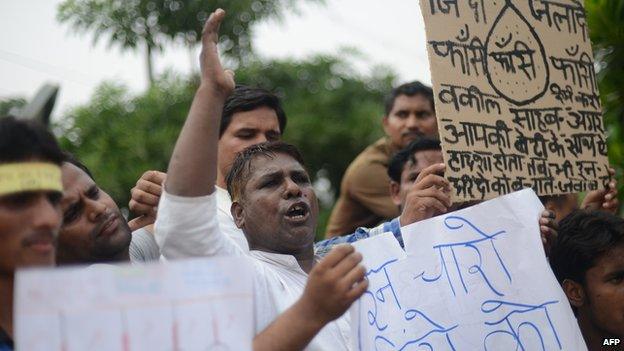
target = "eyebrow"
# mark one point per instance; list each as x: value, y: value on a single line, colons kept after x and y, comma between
x: 76, y: 205
x: 270, y: 175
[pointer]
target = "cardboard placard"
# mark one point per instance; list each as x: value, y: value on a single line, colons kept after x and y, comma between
x: 516, y: 96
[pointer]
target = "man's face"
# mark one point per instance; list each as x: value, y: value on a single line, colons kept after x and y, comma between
x: 411, y: 170
x: 29, y: 224
x: 246, y: 129
x: 93, y: 228
x: 411, y: 117
x: 604, y: 293
x: 278, y: 208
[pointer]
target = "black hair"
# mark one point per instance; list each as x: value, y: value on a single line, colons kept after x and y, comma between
x: 398, y: 161
x: 409, y: 89
x: 239, y: 174
x: 70, y: 158
x: 246, y: 98
x: 557, y: 200
x: 584, y: 236
x: 24, y: 140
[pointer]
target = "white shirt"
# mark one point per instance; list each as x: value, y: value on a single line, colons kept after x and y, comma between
x: 226, y: 221
x: 187, y: 226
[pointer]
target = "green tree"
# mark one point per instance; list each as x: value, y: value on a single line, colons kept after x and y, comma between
x: 9, y: 103
x: 152, y: 23
x: 333, y: 113
x: 606, y: 25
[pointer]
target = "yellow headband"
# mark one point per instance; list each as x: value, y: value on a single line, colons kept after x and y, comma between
x: 29, y: 176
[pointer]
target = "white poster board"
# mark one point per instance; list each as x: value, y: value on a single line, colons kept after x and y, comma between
x: 475, y: 279
x: 199, y: 304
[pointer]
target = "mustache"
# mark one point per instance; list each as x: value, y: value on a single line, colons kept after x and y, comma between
x: 40, y: 236
x: 98, y: 228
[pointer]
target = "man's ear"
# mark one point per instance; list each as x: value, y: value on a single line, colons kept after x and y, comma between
x: 395, y: 188
x: 237, y: 213
x: 575, y: 292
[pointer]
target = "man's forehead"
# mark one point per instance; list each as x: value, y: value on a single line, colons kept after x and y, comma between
x: 424, y: 159
x: 263, y: 118
x: 417, y: 101
x: 74, y: 178
x: 268, y: 164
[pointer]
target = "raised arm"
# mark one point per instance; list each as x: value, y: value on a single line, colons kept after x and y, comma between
x: 186, y: 225
x: 193, y: 164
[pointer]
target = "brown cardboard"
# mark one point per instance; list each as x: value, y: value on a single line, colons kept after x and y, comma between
x: 516, y: 96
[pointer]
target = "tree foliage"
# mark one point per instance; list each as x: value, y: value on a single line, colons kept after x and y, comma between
x: 153, y: 23
x: 606, y: 25
x: 332, y: 112
x: 9, y: 103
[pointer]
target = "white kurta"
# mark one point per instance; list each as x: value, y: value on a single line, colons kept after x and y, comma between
x: 187, y: 226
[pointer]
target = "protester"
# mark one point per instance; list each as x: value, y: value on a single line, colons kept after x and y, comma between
x: 418, y: 187
x: 283, y: 196
x: 30, y: 215
x: 249, y: 116
x: 94, y: 230
x: 364, y: 199
x: 588, y: 260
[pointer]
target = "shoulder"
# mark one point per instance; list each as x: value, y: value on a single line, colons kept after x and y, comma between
x: 373, y: 159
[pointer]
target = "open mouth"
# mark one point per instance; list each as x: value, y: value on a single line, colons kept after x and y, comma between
x: 298, y: 212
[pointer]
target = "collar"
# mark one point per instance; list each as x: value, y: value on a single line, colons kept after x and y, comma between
x: 223, y: 196
x: 288, y: 262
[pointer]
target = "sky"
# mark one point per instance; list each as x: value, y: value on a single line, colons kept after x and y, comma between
x: 36, y: 49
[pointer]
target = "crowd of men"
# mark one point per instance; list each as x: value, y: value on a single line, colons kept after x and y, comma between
x: 234, y: 188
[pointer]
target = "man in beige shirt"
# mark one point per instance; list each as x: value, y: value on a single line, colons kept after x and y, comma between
x: 364, y: 192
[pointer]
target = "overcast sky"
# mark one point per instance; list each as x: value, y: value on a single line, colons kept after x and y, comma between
x: 35, y: 48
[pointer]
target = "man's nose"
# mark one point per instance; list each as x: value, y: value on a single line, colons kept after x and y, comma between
x: 47, y: 215
x: 412, y: 122
x: 94, y: 209
x: 292, y: 189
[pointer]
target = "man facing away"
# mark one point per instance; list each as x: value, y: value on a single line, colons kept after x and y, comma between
x: 364, y: 199
x: 30, y: 215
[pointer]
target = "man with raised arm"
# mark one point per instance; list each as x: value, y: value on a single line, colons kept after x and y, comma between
x: 276, y: 208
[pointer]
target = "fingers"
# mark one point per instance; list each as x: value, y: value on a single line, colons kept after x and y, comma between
x: 142, y: 210
x: 443, y: 197
x: 156, y: 177
x: 141, y: 222
x: 347, y: 264
x: 210, y: 33
x: 432, y: 180
x: 433, y: 169
x: 357, y: 290
x: 335, y: 256
x: 146, y: 194
x: 143, y: 197
x: 548, y: 229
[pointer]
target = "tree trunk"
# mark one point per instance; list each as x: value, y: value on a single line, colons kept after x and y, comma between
x: 150, y: 64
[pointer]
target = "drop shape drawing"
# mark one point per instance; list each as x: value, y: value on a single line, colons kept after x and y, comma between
x: 515, y: 58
